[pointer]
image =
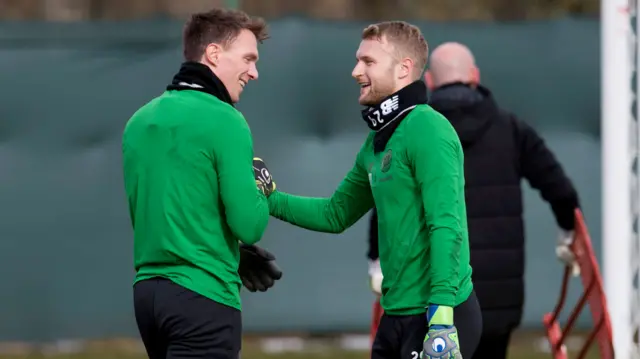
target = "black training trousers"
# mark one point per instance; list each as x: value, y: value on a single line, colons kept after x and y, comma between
x: 177, y: 323
x: 494, y: 346
x: 402, y: 336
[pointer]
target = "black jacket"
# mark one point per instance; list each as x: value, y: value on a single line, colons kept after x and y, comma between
x: 499, y: 151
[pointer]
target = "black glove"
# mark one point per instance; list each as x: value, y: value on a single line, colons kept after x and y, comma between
x: 263, y: 177
x: 258, y: 269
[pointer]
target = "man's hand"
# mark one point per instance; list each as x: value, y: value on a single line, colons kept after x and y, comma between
x: 375, y: 277
x: 263, y: 177
x: 441, y: 340
x: 258, y: 269
x: 564, y: 252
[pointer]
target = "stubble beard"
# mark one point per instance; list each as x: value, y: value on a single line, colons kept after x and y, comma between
x: 377, y: 93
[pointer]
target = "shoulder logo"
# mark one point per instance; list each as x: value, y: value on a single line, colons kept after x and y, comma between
x: 385, y: 165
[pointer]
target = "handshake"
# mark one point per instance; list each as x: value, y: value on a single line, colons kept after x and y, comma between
x: 258, y: 269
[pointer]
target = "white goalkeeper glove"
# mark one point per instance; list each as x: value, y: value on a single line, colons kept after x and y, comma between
x: 564, y: 252
x: 375, y: 277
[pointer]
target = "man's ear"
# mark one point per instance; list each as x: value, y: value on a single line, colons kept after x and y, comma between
x: 475, y: 75
x: 406, y: 68
x: 212, y: 54
x: 428, y: 79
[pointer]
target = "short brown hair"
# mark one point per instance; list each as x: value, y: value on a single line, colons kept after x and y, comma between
x: 407, y: 40
x: 220, y: 26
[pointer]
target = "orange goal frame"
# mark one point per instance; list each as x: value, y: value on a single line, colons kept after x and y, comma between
x: 592, y: 294
x: 375, y: 319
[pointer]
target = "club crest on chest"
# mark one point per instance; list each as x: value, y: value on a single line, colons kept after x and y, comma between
x: 381, y: 168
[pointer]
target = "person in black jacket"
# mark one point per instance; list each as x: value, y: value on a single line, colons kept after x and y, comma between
x: 500, y: 150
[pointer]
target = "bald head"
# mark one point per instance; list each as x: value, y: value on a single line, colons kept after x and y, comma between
x: 452, y: 62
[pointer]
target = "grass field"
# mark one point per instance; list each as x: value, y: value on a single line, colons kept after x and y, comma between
x: 525, y: 345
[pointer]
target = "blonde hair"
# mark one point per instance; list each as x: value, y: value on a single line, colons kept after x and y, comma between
x: 406, y: 39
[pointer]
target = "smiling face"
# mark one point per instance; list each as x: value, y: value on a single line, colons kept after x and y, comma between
x: 375, y: 71
x: 392, y: 55
x: 226, y: 41
x: 235, y: 64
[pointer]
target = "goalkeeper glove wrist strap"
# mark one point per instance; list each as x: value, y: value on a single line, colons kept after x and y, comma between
x: 439, y: 316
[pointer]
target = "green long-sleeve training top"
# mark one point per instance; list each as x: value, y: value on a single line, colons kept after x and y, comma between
x: 417, y: 186
x: 187, y: 161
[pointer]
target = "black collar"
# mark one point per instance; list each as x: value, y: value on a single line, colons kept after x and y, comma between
x: 198, y: 77
x: 385, y: 117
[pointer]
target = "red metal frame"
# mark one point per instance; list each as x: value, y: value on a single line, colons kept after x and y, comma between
x: 593, y: 294
x: 375, y: 318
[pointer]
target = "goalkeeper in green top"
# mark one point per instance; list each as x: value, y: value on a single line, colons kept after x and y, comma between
x: 196, y: 210
x: 410, y: 168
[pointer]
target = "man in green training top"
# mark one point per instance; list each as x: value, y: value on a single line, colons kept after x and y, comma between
x: 411, y: 169
x: 194, y: 204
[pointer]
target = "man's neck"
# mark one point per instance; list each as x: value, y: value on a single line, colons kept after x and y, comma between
x: 197, y: 76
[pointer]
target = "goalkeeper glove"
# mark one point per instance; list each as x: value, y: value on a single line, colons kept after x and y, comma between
x: 441, y: 340
x: 263, y: 177
x: 258, y: 269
